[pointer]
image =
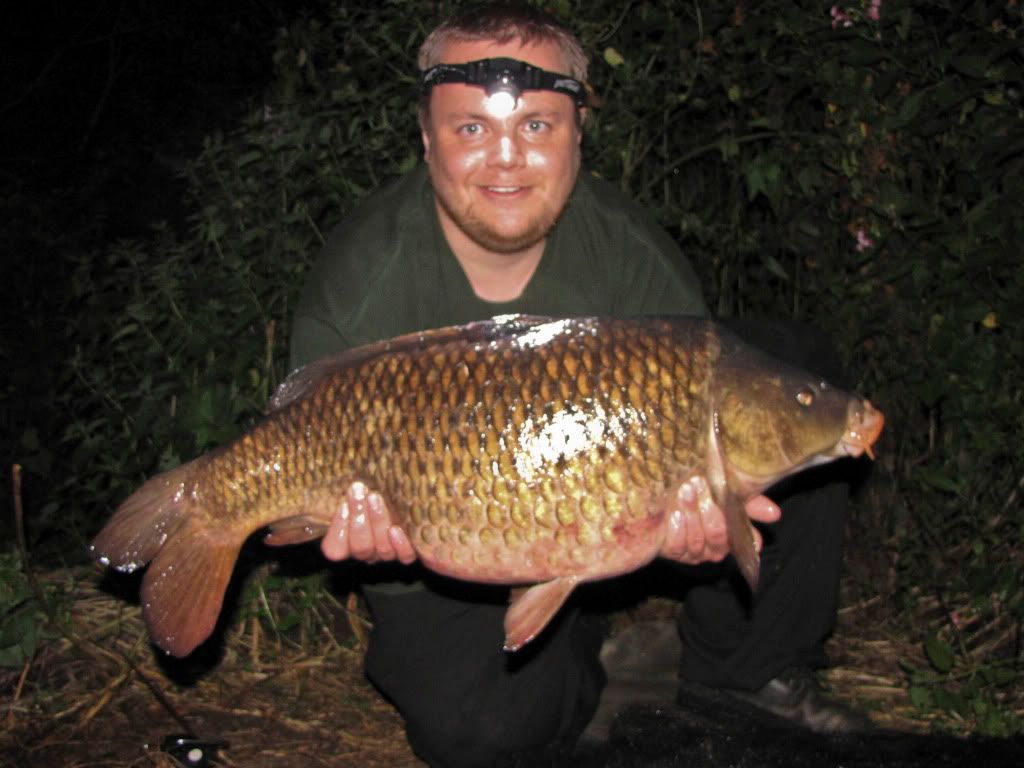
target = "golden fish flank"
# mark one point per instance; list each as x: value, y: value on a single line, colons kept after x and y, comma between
x: 518, y: 450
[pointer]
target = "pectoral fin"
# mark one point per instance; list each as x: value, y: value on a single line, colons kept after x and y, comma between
x: 737, y: 524
x: 741, y: 540
x: 531, y: 610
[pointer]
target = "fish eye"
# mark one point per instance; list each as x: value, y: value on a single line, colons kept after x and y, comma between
x: 805, y: 396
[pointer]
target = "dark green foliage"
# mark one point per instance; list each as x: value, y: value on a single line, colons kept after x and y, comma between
x: 866, y: 179
x: 30, y: 614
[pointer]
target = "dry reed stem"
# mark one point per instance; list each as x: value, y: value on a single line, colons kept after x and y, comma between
x: 281, y: 703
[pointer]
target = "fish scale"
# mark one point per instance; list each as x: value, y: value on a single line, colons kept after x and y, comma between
x: 517, y: 450
x: 462, y: 450
x: 456, y: 489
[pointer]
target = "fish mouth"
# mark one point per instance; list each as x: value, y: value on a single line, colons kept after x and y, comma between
x: 864, y: 425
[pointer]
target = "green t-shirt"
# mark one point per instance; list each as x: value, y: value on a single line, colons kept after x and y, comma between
x: 387, y: 269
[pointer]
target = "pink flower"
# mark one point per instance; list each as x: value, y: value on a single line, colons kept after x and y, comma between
x: 875, y: 11
x: 840, y: 17
x: 863, y: 241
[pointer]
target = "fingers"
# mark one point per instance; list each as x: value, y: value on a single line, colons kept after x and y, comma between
x: 362, y: 529
x: 369, y: 527
x: 401, y: 544
x: 390, y: 540
x: 763, y: 510
x: 379, y: 524
x: 696, y: 526
x: 335, y: 543
x: 716, y: 536
x: 697, y: 531
x: 681, y: 519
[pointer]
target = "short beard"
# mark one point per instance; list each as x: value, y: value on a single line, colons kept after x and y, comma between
x: 482, y: 234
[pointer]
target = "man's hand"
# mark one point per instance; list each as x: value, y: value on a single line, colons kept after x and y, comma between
x: 696, y: 525
x: 362, y: 529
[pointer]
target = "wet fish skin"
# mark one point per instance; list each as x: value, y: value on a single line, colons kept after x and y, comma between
x: 519, y: 450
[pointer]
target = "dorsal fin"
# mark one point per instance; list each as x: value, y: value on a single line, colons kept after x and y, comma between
x: 301, y: 381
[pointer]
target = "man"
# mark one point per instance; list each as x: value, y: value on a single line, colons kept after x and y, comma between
x: 501, y: 221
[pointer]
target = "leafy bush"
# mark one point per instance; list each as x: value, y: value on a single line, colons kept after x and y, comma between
x: 857, y: 168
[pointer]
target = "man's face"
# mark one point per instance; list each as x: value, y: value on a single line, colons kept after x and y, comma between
x: 503, y: 181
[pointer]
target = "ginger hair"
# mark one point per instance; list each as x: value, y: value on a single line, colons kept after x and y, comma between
x: 502, y: 22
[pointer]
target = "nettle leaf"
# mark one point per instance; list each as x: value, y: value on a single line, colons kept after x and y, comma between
x: 775, y: 267
x: 939, y: 653
x: 921, y: 697
x: 613, y: 57
x: 908, y: 110
x: 940, y: 480
x: 949, y: 700
x: 972, y: 65
x: 862, y: 53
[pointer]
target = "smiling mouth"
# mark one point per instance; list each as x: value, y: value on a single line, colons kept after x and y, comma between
x: 503, y: 190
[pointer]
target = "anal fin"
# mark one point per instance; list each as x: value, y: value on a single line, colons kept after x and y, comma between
x: 531, y: 609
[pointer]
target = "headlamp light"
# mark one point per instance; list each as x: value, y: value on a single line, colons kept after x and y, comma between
x: 504, y: 80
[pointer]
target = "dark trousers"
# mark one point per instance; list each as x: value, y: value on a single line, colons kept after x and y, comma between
x: 436, y: 652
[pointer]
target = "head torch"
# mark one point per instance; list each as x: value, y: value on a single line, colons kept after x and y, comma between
x: 504, y: 80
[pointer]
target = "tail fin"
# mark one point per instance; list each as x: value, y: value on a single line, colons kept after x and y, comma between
x: 183, y: 590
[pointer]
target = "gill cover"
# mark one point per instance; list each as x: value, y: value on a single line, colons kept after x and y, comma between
x: 769, y: 418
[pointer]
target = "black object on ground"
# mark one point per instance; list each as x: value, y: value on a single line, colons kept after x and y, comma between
x: 646, y: 736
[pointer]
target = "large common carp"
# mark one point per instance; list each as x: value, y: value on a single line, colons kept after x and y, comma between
x: 519, y: 450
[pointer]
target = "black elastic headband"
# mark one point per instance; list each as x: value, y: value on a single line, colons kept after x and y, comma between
x: 504, y: 75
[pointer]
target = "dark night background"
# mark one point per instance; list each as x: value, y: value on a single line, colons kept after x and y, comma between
x: 101, y: 101
x: 911, y: 135
x: 116, y: 90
